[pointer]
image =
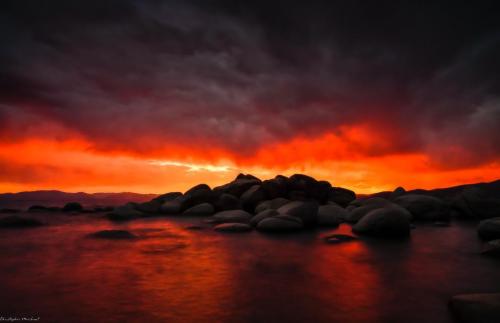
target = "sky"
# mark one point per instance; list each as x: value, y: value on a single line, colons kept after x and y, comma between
x: 157, y: 96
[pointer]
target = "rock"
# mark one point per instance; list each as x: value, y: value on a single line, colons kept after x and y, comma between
x: 41, y: 208
x: 276, y: 187
x: 271, y: 204
x: 72, y: 207
x: 167, y: 197
x: 103, y: 209
x: 306, y: 211
x: 227, y: 202
x: 424, y: 207
x: 262, y: 215
x: 492, y: 248
x: 233, y: 227
x: 171, y: 207
x: 247, y: 176
x: 476, y: 203
x: 358, y: 213
x: 489, y: 229
x: 196, y: 195
x: 476, y: 308
x: 338, y: 238
x: 309, y: 186
x: 237, y: 187
x: 280, y: 223
x: 113, y: 234
x: 124, y: 213
x: 253, y: 196
x: 237, y: 216
x: 399, y: 191
x: 151, y: 207
x: 331, y: 215
x: 384, y: 222
x: 203, y: 209
x: 15, y: 221
x: 341, y: 196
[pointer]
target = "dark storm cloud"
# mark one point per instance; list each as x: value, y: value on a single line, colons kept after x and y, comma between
x: 137, y: 74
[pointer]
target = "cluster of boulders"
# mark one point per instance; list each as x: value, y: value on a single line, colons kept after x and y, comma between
x: 285, y: 204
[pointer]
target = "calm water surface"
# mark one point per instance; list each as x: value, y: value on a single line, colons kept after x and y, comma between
x: 173, y: 274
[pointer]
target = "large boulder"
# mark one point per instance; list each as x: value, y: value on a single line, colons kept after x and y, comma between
x: 72, y: 207
x: 151, y: 207
x: 384, y: 222
x: 233, y: 227
x: 424, y: 207
x: 172, y: 207
x: 358, y: 213
x: 253, y: 196
x: 113, y: 235
x: 237, y: 216
x: 280, y: 223
x: 203, y: 209
x: 167, y: 197
x: 276, y: 187
x: 341, y: 196
x: 476, y: 203
x: 271, y: 204
x: 476, y: 308
x: 318, y: 190
x: 198, y: 194
x: 489, y: 229
x: 124, y: 213
x: 227, y: 202
x: 306, y: 211
x: 331, y: 215
x: 263, y: 215
x: 237, y: 187
x: 15, y: 221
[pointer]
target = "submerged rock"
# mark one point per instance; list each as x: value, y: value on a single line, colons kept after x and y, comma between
x: 476, y: 308
x: 15, y: 221
x: 280, y: 223
x: 384, y: 222
x: 489, y: 229
x: 72, y: 207
x: 203, y: 209
x: 238, y: 216
x: 113, y: 234
x: 233, y: 227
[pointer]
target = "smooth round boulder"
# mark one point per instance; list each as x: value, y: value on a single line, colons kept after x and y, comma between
x: 280, y: 223
x: 124, y: 213
x: 203, y: 209
x: 15, y: 221
x: 331, y: 215
x: 306, y: 211
x: 384, y: 222
x: 271, y: 204
x: 198, y: 194
x: 262, y: 215
x: 233, y: 227
x: 424, y: 207
x: 113, y: 235
x: 167, y: 197
x: 237, y: 187
x: 236, y: 216
x: 227, y: 202
x: 476, y: 308
x: 489, y: 229
x: 276, y: 187
x: 357, y: 213
x: 72, y: 207
x: 341, y: 196
x: 477, y: 203
x: 253, y: 196
x: 150, y: 207
x: 399, y: 191
x: 171, y: 207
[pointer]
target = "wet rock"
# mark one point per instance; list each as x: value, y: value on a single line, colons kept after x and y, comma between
x: 151, y: 207
x: 358, y: 213
x: 331, y: 215
x: 171, y: 207
x: 424, y: 207
x: 113, y: 234
x: 253, y: 196
x: 72, y: 207
x: 203, y: 209
x: 167, y: 197
x: 476, y: 308
x: 124, y: 213
x: 384, y: 222
x: 341, y: 196
x: 489, y: 229
x: 262, y: 215
x: 338, y: 238
x: 236, y: 216
x: 280, y: 223
x: 236, y: 187
x: 227, y: 202
x: 306, y: 211
x: 15, y: 221
x: 196, y: 195
x: 271, y: 204
x: 233, y: 227
x: 492, y: 248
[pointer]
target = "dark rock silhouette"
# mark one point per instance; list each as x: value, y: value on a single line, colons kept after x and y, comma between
x: 15, y: 221
x: 72, y: 207
x: 331, y: 215
x: 384, y: 222
x: 423, y: 207
x: 489, y: 229
x: 113, y: 234
x: 306, y: 211
x: 203, y: 209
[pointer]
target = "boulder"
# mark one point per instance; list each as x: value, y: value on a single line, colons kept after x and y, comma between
x: 399, y: 191
x: 41, y: 208
x: 233, y: 227
x: 476, y: 308
x: 331, y: 215
x: 424, y: 207
x: 227, y: 202
x: 171, y: 207
x: 475, y: 203
x: 306, y: 211
x: 72, y: 207
x: 203, y: 209
x: 358, y: 213
x: 384, y: 222
x: 276, y: 187
x: 167, y: 197
x: 311, y: 188
x: 150, y: 207
x: 247, y: 176
x: 489, y: 229
x: 271, y: 204
x: 113, y: 234
x: 237, y: 216
x: 341, y: 196
x: 253, y: 196
x: 237, y: 187
x: 15, y: 221
x: 262, y: 215
x: 280, y: 223
x: 198, y: 194
x: 124, y: 213
x: 492, y: 248
x: 338, y: 238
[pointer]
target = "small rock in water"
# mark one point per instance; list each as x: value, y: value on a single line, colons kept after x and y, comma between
x: 387, y: 222
x: 14, y: 221
x: 113, y: 234
x: 476, y: 308
x: 233, y: 227
x: 338, y: 238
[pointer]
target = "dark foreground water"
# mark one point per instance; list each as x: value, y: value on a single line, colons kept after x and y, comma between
x: 178, y: 275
